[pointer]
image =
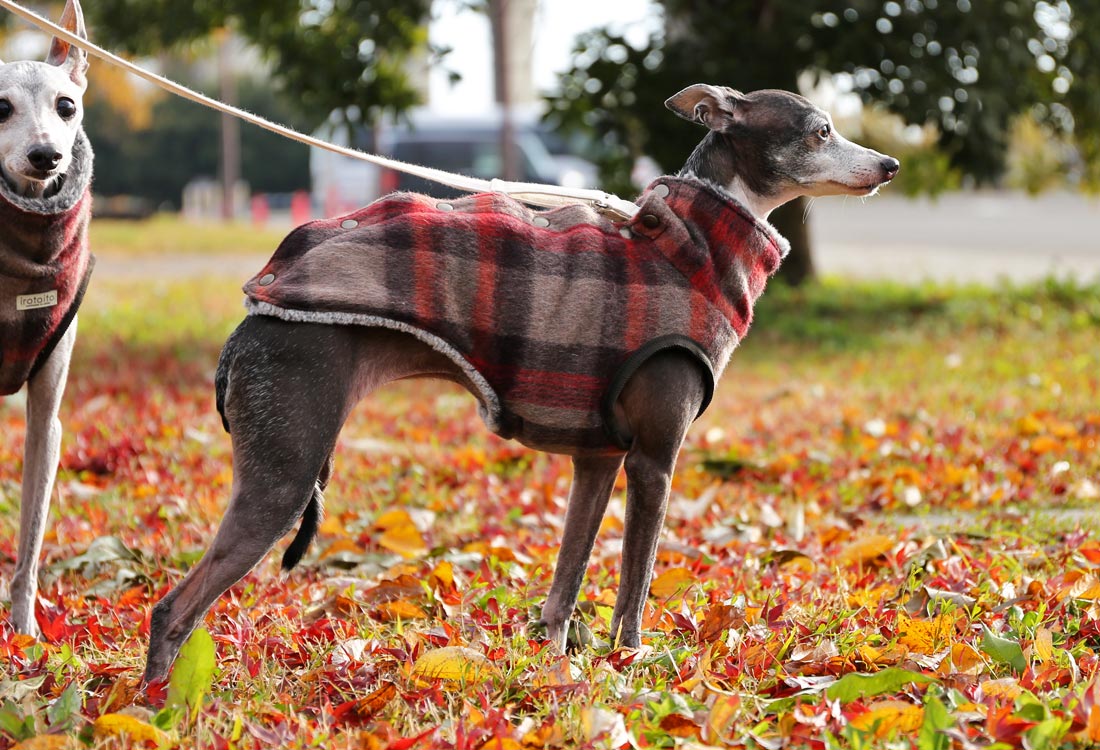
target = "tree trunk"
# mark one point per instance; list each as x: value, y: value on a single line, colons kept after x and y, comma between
x: 790, y: 221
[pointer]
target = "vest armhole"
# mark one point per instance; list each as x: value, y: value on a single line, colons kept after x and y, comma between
x: 618, y: 433
x: 66, y: 321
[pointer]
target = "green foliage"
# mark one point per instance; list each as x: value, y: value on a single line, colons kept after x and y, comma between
x: 854, y: 685
x: 347, y: 55
x: 192, y: 675
x: 1003, y: 650
x: 182, y: 142
x: 966, y: 67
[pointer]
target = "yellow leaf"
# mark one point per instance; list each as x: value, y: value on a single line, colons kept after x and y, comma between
x: 332, y: 526
x: 871, y: 598
x: 47, y: 742
x: 404, y: 539
x: 1045, y: 444
x: 925, y: 636
x: 1044, y: 645
x: 393, y: 518
x: 1006, y: 687
x: 443, y: 577
x: 671, y: 582
x: 886, y: 717
x: 121, y: 725
x: 1029, y: 425
x: 454, y: 664
x: 866, y: 549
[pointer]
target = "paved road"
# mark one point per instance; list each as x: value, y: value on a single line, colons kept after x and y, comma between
x: 961, y: 237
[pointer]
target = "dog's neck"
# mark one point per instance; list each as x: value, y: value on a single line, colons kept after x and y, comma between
x: 715, y: 162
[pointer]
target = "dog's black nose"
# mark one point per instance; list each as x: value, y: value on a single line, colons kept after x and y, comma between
x: 44, y: 157
x: 891, y: 166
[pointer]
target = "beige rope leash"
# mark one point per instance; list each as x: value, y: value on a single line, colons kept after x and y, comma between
x: 549, y: 196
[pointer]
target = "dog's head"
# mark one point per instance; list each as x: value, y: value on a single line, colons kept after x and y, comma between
x: 41, y: 112
x: 780, y: 145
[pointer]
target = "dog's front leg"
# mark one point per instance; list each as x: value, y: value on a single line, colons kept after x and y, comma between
x: 40, y: 458
x: 593, y: 481
x: 659, y: 403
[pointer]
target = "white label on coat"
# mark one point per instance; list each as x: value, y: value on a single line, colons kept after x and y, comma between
x: 36, y: 301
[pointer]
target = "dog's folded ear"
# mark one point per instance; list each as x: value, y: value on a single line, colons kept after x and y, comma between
x: 68, y: 56
x: 713, y: 106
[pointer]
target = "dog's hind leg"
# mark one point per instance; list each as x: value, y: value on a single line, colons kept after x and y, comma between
x: 41, y: 455
x: 287, y: 398
x: 659, y: 403
x: 593, y: 481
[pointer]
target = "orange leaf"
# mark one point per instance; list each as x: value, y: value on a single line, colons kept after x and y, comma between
x: 887, y: 717
x: 676, y: 725
x: 866, y: 549
x: 401, y: 609
x: 1094, y: 723
x: 671, y: 582
x: 925, y: 636
x: 341, y: 545
x: 443, y: 577
x: 405, y: 540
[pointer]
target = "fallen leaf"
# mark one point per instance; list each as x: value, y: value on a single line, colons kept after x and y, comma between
x: 121, y: 726
x: 866, y: 549
x: 887, y: 717
x: 453, y: 664
x: 853, y: 686
x: 671, y: 582
x: 47, y: 742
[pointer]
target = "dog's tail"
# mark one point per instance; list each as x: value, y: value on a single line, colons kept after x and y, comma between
x: 311, y: 518
x: 221, y: 381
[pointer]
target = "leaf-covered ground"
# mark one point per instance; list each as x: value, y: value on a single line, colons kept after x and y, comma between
x: 883, y: 533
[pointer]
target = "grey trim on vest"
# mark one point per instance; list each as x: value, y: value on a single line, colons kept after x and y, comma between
x: 489, y: 401
x: 617, y: 432
x: 75, y: 183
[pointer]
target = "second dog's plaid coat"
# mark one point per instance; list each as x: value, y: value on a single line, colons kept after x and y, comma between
x: 44, y: 268
x: 547, y: 312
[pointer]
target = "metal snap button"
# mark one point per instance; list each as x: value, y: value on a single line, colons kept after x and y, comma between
x: 444, y: 206
x: 541, y: 221
x: 349, y: 224
x: 661, y: 190
x: 266, y: 279
x: 626, y: 233
x: 649, y: 221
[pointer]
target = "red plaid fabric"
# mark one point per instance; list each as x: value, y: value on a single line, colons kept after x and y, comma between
x: 44, y: 268
x: 547, y: 312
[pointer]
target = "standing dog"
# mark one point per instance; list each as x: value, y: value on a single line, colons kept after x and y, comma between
x: 45, y: 205
x: 577, y: 335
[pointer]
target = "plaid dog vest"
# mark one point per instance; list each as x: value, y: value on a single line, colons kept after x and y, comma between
x: 548, y: 313
x: 45, y: 265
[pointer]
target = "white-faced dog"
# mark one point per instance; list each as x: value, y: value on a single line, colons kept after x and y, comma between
x: 45, y: 205
x: 577, y: 335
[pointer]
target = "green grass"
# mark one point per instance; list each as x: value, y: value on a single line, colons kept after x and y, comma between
x: 165, y: 236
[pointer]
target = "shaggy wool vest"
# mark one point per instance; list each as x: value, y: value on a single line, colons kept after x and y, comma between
x: 548, y: 313
x: 44, y: 268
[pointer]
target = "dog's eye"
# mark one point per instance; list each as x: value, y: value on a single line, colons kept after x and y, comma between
x: 5, y: 109
x: 823, y: 132
x: 66, y: 108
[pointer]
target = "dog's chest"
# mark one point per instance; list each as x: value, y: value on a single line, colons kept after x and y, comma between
x: 44, y: 267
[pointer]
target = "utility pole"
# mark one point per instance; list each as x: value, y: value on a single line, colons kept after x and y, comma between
x: 230, y: 167
x: 500, y: 21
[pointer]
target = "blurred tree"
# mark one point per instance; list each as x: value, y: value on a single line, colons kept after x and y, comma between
x: 966, y: 66
x: 155, y: 158
x: 327, y: 55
